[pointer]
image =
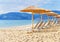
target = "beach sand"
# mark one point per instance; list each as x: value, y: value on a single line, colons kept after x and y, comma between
x: 16, y: 34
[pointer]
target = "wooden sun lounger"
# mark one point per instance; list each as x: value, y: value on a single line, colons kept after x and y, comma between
x: 41, y: 25
x: 37, y: 28
x: 37, y: 24
x: 53, y: 23
x: 46, y: 24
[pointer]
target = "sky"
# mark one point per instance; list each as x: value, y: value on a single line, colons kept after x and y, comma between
x: 16, y: 5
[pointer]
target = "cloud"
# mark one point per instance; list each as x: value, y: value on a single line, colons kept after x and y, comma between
x: 16, y: 5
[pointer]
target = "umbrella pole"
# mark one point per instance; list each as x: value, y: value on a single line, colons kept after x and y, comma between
x: 32, y: 21
x: 48, y: 18
x: 41, y: 18
x: 55, y: 20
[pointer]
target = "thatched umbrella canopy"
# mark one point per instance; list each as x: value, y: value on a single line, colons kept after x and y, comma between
x: 51, y: 14
x: 35, y: 10
x: 58, y: 17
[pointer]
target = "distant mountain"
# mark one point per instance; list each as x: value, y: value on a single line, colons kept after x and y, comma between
x: 21, y: 16
x: 56, y: 11
x: 17, y: 16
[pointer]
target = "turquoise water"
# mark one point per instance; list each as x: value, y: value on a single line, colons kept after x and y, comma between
x: 9, y: 23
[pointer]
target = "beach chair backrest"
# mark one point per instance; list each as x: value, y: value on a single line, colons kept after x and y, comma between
x: 58, y: 22
x: 54, y: 22
x: 37, y: 24
x: 51, y: 22
x: 40, y: 24
x: 47, y: 23
x: 43, y: 24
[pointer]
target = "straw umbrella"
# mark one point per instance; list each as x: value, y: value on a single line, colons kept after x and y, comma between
x: 35, y: 10
x: 51, y: 14
x: 58, y: 16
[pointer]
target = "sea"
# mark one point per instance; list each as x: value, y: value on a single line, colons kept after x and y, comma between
x: 10, y: 23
